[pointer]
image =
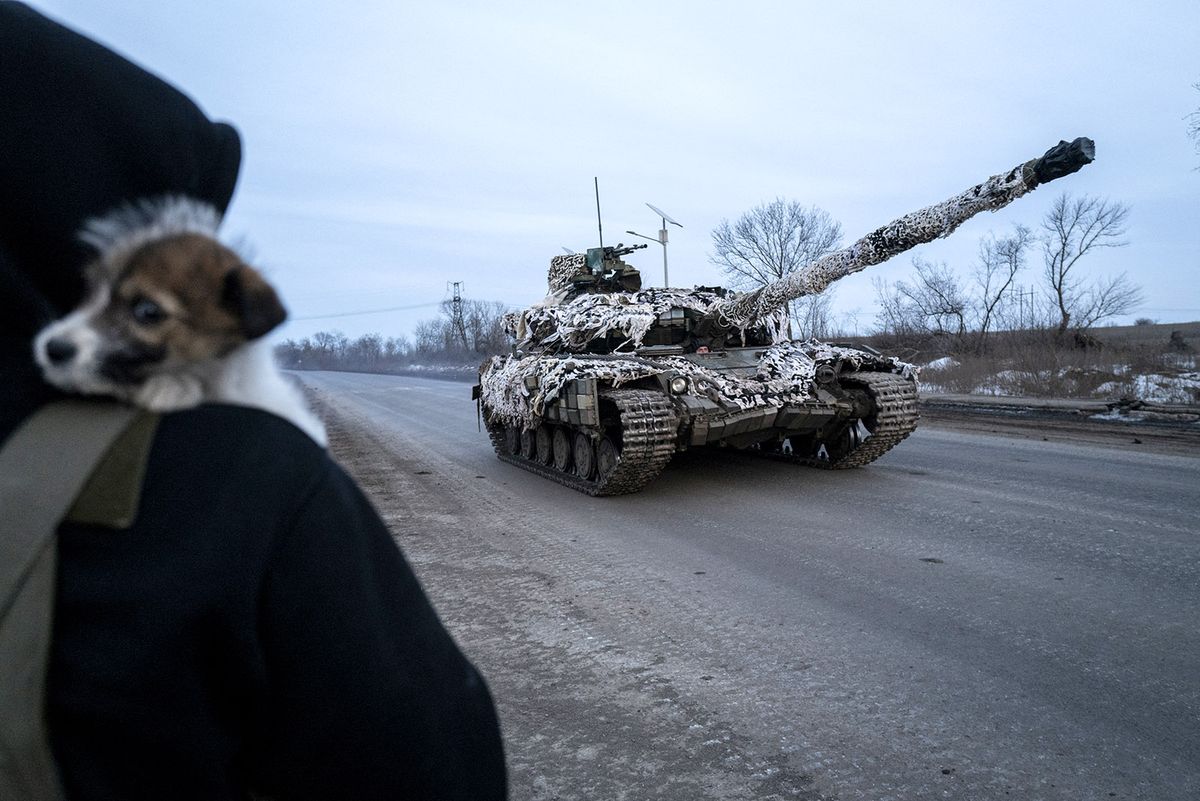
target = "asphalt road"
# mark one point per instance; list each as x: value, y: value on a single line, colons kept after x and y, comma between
x: 971, y: 617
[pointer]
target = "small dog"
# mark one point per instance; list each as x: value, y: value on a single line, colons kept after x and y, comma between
x: 172, y: 319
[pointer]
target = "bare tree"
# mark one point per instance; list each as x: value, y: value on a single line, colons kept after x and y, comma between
x: 485, y: 326
x: 814, y: 315
x: 999, y: 262
x: 397, y: 348
x: 431, y: 337
x: 894, y: 316
x: 1107, y: 297
x: 1073, y: 228
x: 933, y: 303
x: 771, y: 241
x: 479, y: 331
x: 937, y: 298
x: 333, y: 351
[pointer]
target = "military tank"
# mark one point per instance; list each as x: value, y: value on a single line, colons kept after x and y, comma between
x: 607, y: 381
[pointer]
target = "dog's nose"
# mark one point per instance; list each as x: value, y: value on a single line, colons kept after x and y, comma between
x: 60, y: 350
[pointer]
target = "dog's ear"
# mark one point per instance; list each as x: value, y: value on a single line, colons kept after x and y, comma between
x: 252, y: 300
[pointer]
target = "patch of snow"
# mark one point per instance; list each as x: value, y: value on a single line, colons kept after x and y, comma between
x: 442, y: 369
x: 1155, y: 388
x: 992, y: 388
x: 942, y: 363
x: 1181, y: 361
x: 1118, y: 416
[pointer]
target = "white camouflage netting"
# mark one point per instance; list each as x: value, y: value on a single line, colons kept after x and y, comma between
x: 570, y: 326
x: 563, y: 268
x: 504, y: 391
x: 785, y: 375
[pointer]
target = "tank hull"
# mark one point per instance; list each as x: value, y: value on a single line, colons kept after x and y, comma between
x: 609, y: 424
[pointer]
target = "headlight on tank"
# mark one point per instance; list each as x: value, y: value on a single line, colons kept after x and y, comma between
x: 679, y: 385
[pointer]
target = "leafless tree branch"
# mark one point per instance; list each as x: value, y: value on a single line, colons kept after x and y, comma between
x: 1071, y: 229
x: 770, y: 242
x: 999, y: 262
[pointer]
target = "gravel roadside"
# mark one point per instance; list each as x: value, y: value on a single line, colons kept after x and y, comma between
x: 1171, y: 430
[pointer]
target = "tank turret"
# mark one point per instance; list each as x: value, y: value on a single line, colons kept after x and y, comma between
x: 607, y: 380
x: 595, y: 302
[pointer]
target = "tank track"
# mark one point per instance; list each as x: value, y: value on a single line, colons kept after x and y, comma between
x: 895, y: 418
x: 648, y: 429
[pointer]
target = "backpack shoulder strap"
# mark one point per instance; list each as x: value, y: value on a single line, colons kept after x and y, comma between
x: 43, y: 466
x: 111, y: 494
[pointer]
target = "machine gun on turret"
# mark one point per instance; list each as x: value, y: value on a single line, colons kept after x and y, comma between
x: 607, y: 271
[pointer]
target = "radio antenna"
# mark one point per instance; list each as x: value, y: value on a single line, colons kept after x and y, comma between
x: 599, y: 225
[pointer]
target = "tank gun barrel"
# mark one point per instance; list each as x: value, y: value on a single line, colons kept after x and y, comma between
x: 919, y: 227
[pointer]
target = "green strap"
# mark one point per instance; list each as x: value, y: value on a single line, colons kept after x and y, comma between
x: 43, y: 466
x: 112, y: 492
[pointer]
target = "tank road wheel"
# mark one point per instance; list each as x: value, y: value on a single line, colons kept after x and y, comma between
x: 528, y: 445
x: 842, y: 443
x: 892, y: 418
x: 607, y: 456
x: 585, y: 455
x: 797, y: 446
x: 544, y: 444
x: 562, y: 449
x: 640, y: 427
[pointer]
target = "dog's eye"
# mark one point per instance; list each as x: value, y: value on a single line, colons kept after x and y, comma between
x: 147, y: 312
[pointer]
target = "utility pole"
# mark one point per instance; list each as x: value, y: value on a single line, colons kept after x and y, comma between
x: 1027, y: 322
x: 1025, y: 305
x: 456, y: 314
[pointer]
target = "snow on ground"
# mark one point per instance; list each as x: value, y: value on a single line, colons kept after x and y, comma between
x: 941, y: 364
x: 1105, y: 382
x: 926, y: 372
x: 1155, y: 388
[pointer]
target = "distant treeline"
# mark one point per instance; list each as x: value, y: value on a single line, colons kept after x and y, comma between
x: 455, y: 338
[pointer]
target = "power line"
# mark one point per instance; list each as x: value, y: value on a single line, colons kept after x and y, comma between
x: 369, y: 311
x: 387, y: 309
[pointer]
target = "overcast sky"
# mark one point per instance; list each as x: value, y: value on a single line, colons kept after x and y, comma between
x: 393, y: 147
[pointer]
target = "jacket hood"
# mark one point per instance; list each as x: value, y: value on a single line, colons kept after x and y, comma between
x: 85, y: 131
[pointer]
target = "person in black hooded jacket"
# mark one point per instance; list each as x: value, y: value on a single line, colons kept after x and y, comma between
x: 256, y: 631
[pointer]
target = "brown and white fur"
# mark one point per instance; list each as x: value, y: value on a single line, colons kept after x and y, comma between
x: 172, y: 319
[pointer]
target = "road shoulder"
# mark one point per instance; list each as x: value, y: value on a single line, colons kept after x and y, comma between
x: 1061, y: 420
